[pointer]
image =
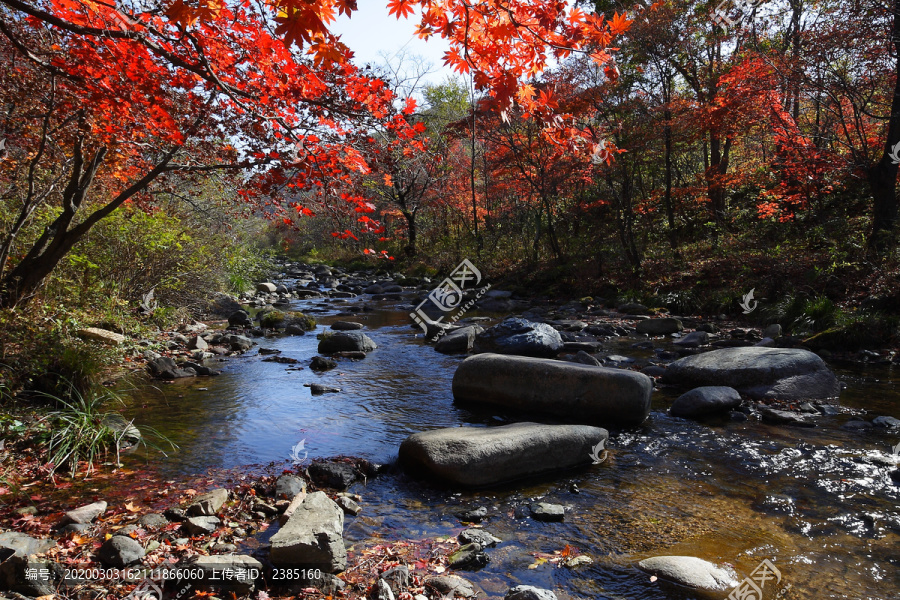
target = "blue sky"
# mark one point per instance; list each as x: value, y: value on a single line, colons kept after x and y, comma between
x: 371, y: 31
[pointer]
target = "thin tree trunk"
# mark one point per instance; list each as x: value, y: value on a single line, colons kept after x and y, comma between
x: 883, y: 175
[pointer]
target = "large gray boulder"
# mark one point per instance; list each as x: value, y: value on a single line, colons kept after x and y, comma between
x: 691, y: 572
x: 485, y: 456
x: 704, y: 401
x: 566, y: 389
x: 312, y: 537
x: 346, y: 341
x: 780, y: 373
x: 519, y: 336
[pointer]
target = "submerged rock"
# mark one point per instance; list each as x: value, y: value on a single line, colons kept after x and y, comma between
x: 545, y: 511
x: 779, y: 373
x: 484, y: 456
x: 566, y: 389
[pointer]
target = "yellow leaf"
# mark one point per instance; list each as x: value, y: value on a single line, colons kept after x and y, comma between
x: 108, y: 536
x: 130, y: 507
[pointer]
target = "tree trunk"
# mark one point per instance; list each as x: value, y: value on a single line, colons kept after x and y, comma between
x: 883, y: 175
x: 411, y: 233
x: 718, y: 166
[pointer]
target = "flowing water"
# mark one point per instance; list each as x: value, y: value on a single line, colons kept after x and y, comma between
x: 819, y: 502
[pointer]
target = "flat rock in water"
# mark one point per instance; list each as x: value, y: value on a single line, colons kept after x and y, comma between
x: 478, y: 536
x: 545, y: 511
x: 312, y: 537
x: 704, y: 401
x: 520, y: 337
x: 691, y: 572
x: 783, y: 417
x: 484, y: 456
x: 567, y: 389
x: 528, y: 592
x: 779, y: 373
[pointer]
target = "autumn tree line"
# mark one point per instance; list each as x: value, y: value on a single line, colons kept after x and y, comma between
x: 154, y: 146
x: 712, y: 142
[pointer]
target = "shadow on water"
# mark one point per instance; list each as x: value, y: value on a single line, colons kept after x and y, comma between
x: 818, y: 502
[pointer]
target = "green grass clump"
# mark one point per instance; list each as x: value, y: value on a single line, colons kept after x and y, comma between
x: 82, y: 431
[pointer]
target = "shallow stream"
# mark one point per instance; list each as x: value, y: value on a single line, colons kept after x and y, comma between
x: 817, y: 502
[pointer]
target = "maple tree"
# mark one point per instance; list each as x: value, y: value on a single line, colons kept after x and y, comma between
x: 122, y: 99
